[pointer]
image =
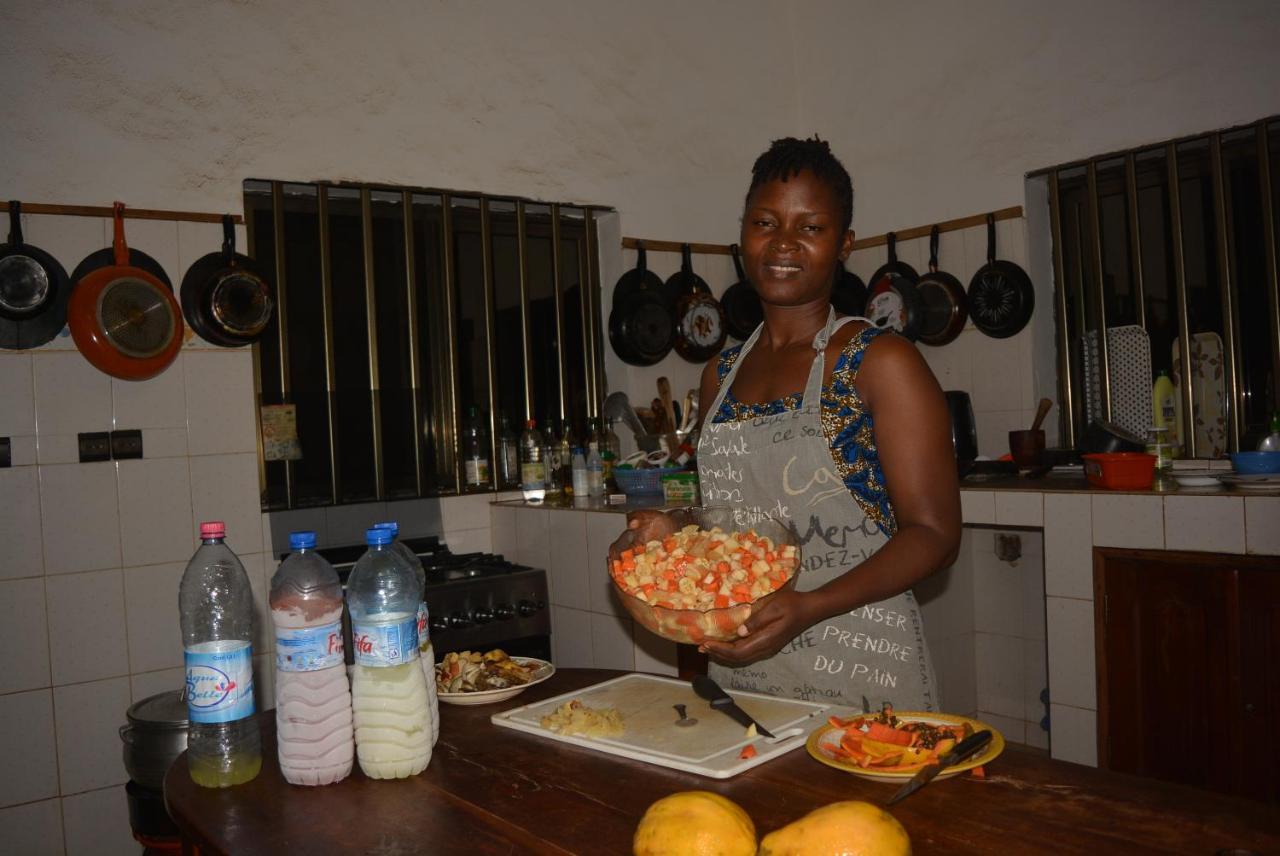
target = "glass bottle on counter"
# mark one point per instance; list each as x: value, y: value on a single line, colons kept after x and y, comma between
x: 475, y: 450
x: 533, y: 467
x: 389, y: 699
x: 508, y: 454
x: 215, y: 605
x: 551, y: 455
x: 595, y: 473
x: 610, y: 453
x: 564, y: 457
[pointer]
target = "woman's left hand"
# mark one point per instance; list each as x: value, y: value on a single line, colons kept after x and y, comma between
x: 783, y: 618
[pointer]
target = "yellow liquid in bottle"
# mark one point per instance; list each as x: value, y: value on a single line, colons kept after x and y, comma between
x: 216, y: 773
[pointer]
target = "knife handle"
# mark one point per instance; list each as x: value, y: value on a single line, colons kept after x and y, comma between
x: 968, y: 747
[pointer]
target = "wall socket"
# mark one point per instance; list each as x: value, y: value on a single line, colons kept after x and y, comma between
x: 1008, y: 547
x: 94, y: 446
x: 126, y: 444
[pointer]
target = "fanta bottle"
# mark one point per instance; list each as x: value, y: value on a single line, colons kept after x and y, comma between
x: 426, y: 656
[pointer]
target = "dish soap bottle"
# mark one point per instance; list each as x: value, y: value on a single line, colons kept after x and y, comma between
x: 1164, y: 403
x: 1271, y: 442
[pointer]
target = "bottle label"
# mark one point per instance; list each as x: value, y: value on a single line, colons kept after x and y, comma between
x: 219, y: 681
x: 533, y: 474
x: 424, y: 633
x: 386, y: 643
x: 308, y: 649
x: 477, y: 471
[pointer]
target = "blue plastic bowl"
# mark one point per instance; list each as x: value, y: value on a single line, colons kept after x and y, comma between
x: 1256, y: 463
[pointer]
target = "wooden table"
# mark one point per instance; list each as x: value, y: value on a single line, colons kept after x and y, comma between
x: 494, y: 790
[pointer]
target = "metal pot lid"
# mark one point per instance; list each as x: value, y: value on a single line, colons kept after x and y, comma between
x: 136, y: 317
x: 167, y: 710
x: 241, y: 304
x: 24, y: 285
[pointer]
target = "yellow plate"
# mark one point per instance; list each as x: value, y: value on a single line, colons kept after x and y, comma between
x: 828, y: 735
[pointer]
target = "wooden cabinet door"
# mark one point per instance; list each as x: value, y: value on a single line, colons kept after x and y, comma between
x: 1164, y: 669
x: 1259, y: 753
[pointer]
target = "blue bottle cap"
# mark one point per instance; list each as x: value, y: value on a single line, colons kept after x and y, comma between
x: 304, y: 540
x: 378, y: 537
x: 389, y: 524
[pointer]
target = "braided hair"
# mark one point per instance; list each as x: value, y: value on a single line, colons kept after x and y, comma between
x: 788, y: 156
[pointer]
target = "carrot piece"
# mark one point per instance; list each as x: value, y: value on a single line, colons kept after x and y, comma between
x: 669, y: 544
x: 628, y: 554
x: 748, y: 751
x: 648, y: 587
x: 722, y: 600
x: 978, y: 772
x: 723, y: 567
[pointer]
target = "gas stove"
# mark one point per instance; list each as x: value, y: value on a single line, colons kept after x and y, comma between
x: 476, y: 601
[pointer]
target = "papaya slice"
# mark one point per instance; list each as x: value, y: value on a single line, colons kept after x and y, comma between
x: 888, y: 734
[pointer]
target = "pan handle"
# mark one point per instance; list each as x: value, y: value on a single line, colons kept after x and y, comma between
x: 991, y: 238
x: 892, y: 240
x: 120, y: 248
x: 933, y: 250
x: 15, y: 222
x: 228, y: 239
x: 737, y: 262
x: 642, y: 263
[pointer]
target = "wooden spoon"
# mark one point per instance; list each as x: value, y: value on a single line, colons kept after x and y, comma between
x: 1041, y: 412
x: 664, y: 391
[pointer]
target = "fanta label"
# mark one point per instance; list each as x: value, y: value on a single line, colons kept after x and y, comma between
x: 385, y: 643
x: 219, y: 681
x: 424, y: 633
x: 308, y: 649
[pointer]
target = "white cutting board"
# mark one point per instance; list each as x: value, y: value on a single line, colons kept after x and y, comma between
x: 709, y: 748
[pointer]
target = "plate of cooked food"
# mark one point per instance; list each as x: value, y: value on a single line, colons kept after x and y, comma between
x: 891, y: 746
x: 470, y: 677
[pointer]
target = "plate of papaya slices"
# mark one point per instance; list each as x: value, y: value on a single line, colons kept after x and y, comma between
x: 893, y: 746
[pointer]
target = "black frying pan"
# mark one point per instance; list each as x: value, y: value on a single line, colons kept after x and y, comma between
x: 700, y: 327
x: 848, y: 292
x: 943, y: 303
x: 742, y: 310
x: 225, y: 298
x: 34, y: 289
x: 1001, y: 297
x: 893, y: 266
x: 641, y: 324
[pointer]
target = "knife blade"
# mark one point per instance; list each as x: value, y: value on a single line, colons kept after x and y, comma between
x: 963, y: 750
x: 722, y: 701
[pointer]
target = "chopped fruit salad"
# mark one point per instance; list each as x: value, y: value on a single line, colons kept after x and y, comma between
x: 884, y: 742
x: 704, y: 569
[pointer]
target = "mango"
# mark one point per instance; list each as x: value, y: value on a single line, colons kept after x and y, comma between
x: 850, y: 828
x: 695, y: 823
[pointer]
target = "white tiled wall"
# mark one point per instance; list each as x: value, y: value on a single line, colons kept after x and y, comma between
x: 93, y: 552
x: 589, y: 628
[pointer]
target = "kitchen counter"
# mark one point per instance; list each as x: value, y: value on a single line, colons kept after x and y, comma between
x: 493, y: 790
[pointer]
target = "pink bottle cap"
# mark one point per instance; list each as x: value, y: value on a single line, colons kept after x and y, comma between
x: 213, y: 529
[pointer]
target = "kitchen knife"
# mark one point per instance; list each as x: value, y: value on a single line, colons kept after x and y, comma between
x: 722, y: 701
x: 965, y: 749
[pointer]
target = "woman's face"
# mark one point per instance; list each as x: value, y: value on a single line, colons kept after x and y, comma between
x: 792, y: 240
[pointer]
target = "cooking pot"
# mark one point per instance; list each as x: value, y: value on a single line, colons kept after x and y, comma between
x: 225, y: 298
x: 1101, y: 437
x: 155, y: 736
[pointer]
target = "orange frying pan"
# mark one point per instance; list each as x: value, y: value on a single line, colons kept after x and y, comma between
x: 125, y: 319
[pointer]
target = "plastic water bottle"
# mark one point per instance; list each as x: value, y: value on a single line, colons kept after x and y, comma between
x: 215, y: 604
x: 313, y: 699
x: 581, y: 479
x: 595, y: 472
x: 426, y: 655
x: 388, y: 692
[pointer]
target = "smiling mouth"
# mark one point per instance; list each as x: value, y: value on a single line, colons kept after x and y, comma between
x: 782, y: 268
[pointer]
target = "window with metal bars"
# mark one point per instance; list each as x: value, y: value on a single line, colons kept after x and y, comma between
x: 399, y: 310
x: 1159, y: 246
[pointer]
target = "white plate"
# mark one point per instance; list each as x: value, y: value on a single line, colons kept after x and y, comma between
x: 1252, y: 482
x: 1197, y: 478
x: 544, y: 671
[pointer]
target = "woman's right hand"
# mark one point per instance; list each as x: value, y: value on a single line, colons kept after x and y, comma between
x: 647, y: 524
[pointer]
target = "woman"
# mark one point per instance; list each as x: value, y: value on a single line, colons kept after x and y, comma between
x: 839, y: 430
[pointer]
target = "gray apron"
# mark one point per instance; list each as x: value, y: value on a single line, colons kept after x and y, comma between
x: 780, y: 466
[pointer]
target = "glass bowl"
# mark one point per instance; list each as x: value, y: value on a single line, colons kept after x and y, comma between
x: 694, y: 626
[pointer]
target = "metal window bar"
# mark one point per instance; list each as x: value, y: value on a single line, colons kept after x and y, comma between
x: 1099, y: 293
x: 445, y: 384
x: 1229, y: 287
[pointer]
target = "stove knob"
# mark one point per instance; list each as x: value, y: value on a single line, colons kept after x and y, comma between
x: 459, y: 619
x: 438, y: 624
x: 526, y: 608
x: 504, y: 611
x: 482, y: 616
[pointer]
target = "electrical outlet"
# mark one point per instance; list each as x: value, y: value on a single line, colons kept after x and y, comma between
x: 126, y: 444
x: 6, y: 452
x: 94, y: 446
x: 1008, y: 547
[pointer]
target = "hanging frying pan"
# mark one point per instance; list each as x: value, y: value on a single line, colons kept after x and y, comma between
x: 34, y: 289
x: 742, y: 310
x: 683, y: 281
x: 1001, y: 297
x: 124, y: 318
x: 641, y: 325
x: 943, y: 304
x: 894, y: 303
x: 700, y: 328
x: 894, y: 266
x: 224, y: 297
x: 848, y: 292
